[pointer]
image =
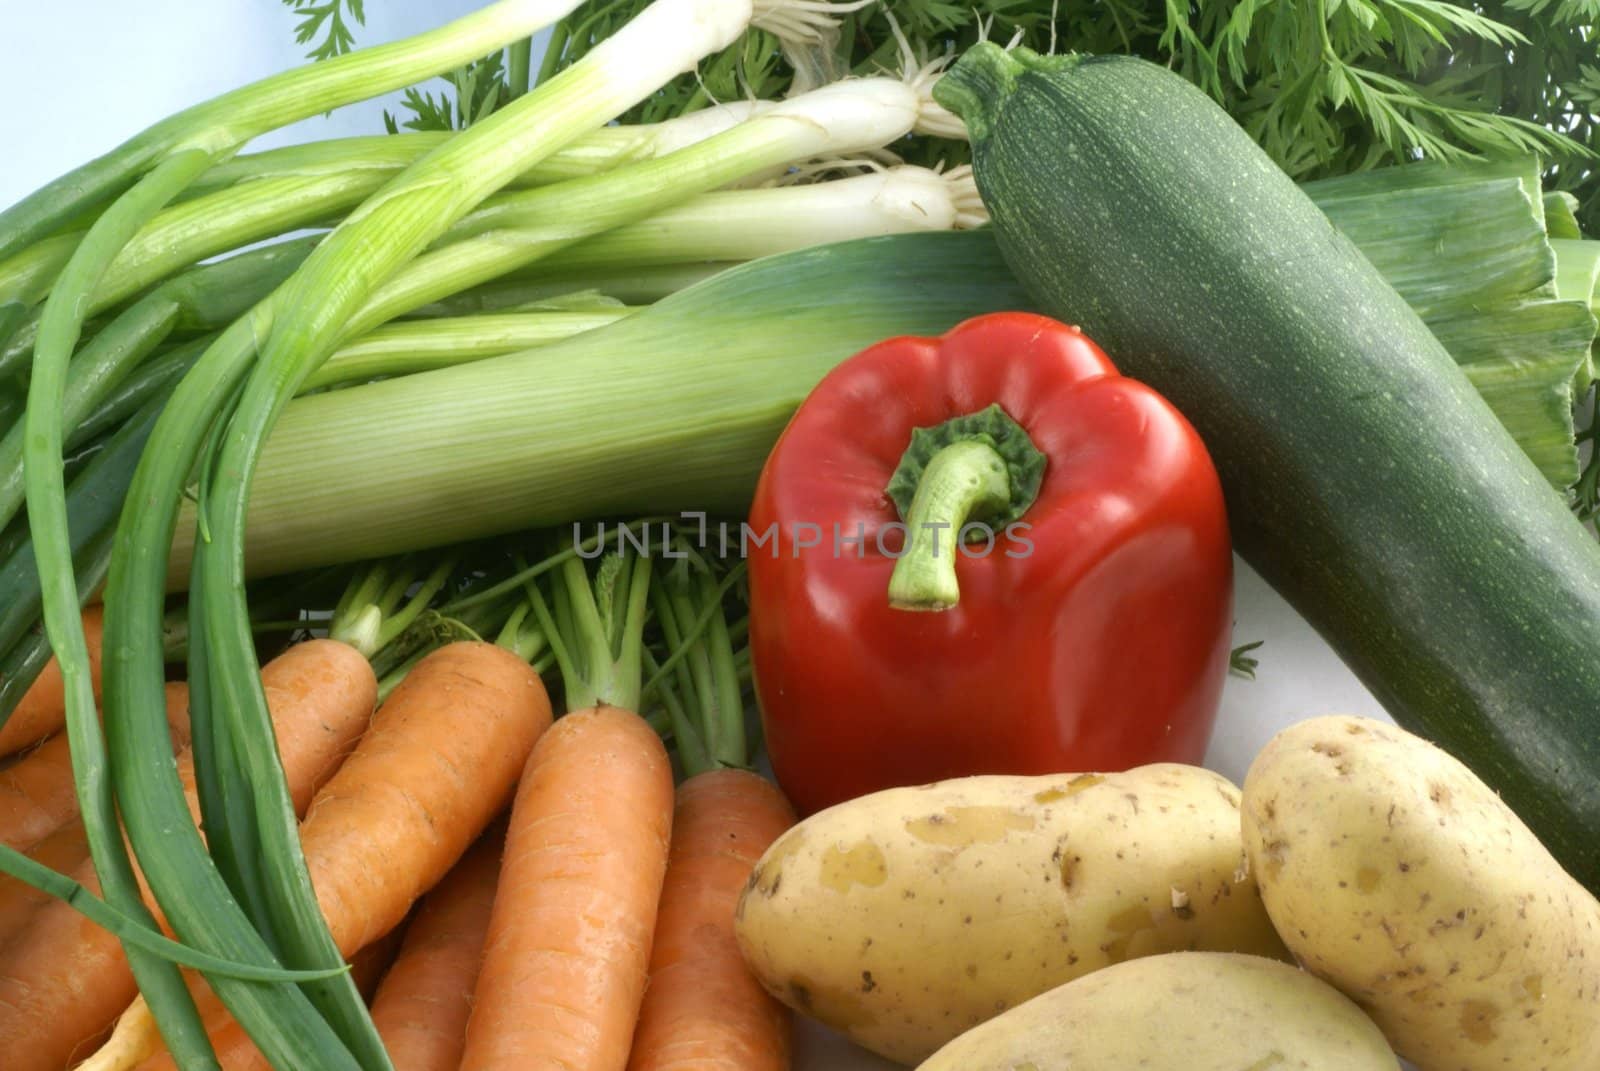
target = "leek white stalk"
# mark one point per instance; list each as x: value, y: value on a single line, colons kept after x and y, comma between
x: 671, y: 408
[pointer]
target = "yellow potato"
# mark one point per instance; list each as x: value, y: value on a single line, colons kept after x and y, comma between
x: 1188, y: 1011
x: 906, y: 917
x: 1397, y: 875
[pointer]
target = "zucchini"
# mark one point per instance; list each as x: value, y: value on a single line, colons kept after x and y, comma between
x: 1366, y: 480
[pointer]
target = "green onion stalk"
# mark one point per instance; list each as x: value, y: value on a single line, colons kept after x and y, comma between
x: 737, y: 225
x: 253, y: 198
x: 205, y: 298
x: 700, y: 676
x: 538, y: 284
x: 720, y: 228
x: 528, y: 226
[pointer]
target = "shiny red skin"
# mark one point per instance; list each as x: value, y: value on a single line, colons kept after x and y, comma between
x: 1104, y: 648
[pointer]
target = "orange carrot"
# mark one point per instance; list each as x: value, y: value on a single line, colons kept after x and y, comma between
x: 569, y: 941
x: 422, y: 1006
x: 703, y: 1010
x: 440, y: 760
x: 64, y: 848
x: 43, y: 708
x: 64, y: 981
x: 37, y: 796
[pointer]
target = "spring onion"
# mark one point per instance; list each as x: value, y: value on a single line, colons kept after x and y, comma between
x: 281, y: 191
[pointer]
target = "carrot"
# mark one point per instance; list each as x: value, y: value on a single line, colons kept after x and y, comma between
x: 64, y: 851
x: 569, y: 939
x: 64, y: 848
x: 422, y: 1006
x: 703, y: 1009
x: 37, y: 796
x: 440, y: 760
x: 43, y: 707
x: 64, y: 980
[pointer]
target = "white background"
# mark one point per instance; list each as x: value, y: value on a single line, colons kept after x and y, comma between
x: 79, y: 76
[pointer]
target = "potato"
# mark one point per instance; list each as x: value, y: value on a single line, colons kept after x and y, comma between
x: 1397, y: 875
x: 1187, y: 1011
x: 906, y: 917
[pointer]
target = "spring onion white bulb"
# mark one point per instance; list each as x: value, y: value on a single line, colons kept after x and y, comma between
x: 848, y: 116
x: 732, y: 225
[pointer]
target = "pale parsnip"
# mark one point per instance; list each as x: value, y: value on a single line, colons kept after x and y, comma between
x: 1396, y: 874
x: 1188, y: 1011
x: 908, y: 916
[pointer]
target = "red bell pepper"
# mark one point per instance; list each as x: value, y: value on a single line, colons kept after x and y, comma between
x: 1083, y: 622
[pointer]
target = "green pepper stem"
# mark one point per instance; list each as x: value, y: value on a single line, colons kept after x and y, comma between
x: 964, y: 480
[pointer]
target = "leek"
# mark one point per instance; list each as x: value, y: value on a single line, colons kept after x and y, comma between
x: 695, y: 390
x: 1465, y: 245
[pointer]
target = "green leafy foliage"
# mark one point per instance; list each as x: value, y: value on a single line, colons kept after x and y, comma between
x: 325, y: 25
x: 473, y: 92
x: 1242, y: 663
x: 1327, y: 87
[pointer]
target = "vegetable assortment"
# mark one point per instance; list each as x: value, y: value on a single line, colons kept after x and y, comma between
x: 329, y: 739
